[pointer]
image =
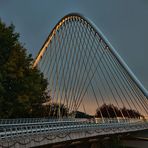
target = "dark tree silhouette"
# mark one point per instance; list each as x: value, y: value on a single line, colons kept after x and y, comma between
x: 111, y: 111
x: 130, y: 113
x: 22, y: 88
x: 55, y: 110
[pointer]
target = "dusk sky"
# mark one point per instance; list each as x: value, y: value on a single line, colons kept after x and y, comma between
x: 123, y: 22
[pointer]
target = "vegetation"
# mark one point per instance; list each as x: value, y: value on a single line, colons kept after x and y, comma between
x: 22, y: 88
x: 54, y: 110
x: 112, y: 111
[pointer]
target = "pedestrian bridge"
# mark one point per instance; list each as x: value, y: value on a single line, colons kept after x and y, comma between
x: 43, y: 131
x: 93, y: 92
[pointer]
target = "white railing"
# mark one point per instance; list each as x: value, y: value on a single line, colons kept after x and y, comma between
x: 22, y: 121
x: 54, y: 126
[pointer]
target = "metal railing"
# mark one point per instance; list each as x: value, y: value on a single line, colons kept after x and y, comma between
x: 22, y: 121
x: 64, y: 126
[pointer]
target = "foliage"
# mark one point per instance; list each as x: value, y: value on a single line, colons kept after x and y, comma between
x: 55, y: 110
x: 112, y: 112
x: 22, y: 88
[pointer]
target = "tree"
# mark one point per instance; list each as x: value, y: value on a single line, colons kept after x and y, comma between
x: 111, y: 111
x: 54, y: 110
x: 22, y: 88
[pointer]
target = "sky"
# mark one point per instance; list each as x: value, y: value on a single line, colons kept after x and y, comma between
x: 123, y: 22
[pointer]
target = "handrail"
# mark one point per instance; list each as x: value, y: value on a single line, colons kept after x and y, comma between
x: 37, y: 129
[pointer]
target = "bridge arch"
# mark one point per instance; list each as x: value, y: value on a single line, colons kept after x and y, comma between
x: 71, y: 25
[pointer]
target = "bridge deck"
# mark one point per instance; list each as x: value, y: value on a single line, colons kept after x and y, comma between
x: 56, y: 131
